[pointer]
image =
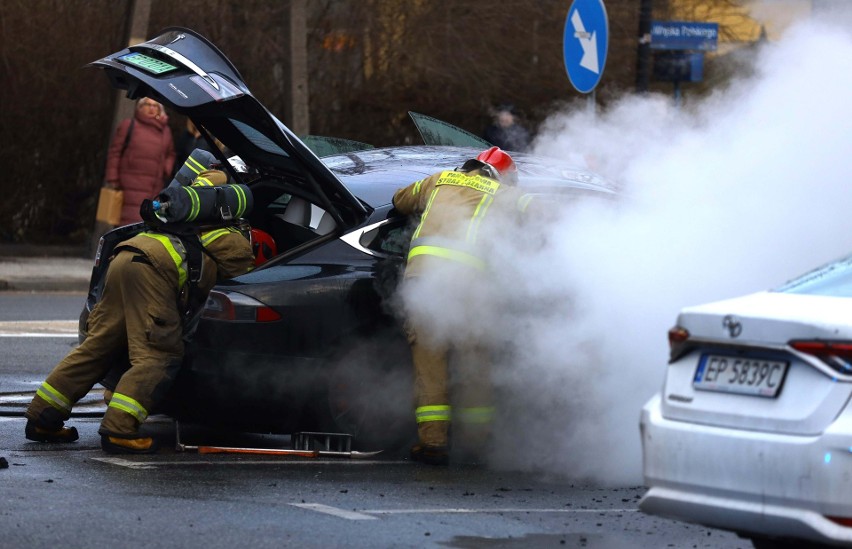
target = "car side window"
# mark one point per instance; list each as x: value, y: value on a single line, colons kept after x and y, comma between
x: 391, y: 238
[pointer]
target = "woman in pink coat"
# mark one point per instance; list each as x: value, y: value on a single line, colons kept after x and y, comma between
x: 140, y: 164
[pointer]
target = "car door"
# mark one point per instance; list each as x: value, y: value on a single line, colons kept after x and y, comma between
x: 187, y: 73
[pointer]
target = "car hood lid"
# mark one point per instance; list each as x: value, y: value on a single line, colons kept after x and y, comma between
x: 187, y: 73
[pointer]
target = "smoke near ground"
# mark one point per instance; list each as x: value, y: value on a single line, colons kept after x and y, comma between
x: 735, y: 194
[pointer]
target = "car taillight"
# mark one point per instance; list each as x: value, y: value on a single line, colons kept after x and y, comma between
x: 234, y: 307
x: 677, y: 342
x: 836, y: 354
x: 842, y: 521
x: 677, y: 335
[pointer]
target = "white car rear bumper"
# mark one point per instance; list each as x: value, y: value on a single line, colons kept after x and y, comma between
x: 748, y: 481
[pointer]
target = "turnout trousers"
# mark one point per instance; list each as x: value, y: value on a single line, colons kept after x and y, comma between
x: 138, y: 312
x: 445, y: 373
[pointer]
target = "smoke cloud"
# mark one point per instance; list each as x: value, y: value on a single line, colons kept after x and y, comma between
x: 732, y: 194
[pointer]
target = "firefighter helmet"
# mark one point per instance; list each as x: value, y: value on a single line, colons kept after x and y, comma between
x: 263, y: 246
x: 498, y: 159
x: 496, y: 163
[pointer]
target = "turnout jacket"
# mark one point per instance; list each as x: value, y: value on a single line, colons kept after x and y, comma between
x: 453, y: 208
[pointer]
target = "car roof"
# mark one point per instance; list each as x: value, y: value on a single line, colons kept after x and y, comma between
x: 374, y: 175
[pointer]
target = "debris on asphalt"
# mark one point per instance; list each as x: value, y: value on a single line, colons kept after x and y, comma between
x: 3, y: 463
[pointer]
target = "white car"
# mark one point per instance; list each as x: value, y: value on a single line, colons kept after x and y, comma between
x: 752, y: 431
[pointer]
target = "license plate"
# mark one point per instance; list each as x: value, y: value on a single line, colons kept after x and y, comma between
x: 150, y: 64
x: 747, y: 376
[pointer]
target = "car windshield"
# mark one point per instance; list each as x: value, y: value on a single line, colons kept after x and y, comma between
x: 833, y: 279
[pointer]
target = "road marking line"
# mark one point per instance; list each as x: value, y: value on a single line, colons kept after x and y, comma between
x: 366, y: 514
x: 497, y: 510
x: 3, y: 334
x: 335, y: 511
x: 125, y: 463
x: 39, y: 328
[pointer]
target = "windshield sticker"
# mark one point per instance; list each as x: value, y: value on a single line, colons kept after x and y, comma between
x: 147, y: 63
x: 226, y: 89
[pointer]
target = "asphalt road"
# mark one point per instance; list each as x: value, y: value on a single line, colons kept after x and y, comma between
x: 75, y: 495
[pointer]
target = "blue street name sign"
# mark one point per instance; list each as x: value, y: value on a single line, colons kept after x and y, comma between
x: 585, y: 43
x: 684, y: 35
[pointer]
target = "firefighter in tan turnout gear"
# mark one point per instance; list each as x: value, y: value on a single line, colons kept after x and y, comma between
x: 141, y: 310
x: 452, y: 206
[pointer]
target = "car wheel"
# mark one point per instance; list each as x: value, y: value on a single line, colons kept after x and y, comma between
x: 370, y: 393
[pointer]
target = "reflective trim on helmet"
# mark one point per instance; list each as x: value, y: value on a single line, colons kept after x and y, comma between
x: 440, y: 412
x: 171, y: 246
x: 129, y: 405
x: 54, y: 397
x: 475, y: 415
x: 448, y: 253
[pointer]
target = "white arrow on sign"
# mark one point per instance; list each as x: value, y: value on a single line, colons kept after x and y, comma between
x: 589, y: 43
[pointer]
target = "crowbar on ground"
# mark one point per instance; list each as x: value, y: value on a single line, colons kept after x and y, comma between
x: 333, y: 444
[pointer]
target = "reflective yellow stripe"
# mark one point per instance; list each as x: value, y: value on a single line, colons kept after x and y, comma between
x: 241, y: 198
x: 192, y: 164
x: 439, y: 412
x: 478, y: 415
x: 129, y: 405
x: 176, y: 256
x: 416, y: 188
x: 425, y: 213
x: 448, y: 253
x: 210, y: 236
x: 54, y: 397
x: 475, y: 182
x: 196, y: 205
x: 478, y: 216
x: 202, y: 182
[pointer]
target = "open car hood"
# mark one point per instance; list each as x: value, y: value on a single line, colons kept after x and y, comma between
x: 186, y: 72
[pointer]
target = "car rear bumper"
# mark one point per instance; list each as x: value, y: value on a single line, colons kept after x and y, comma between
x: 749, y: 482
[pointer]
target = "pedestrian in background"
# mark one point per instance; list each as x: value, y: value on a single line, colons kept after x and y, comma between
x: 141, y: 157
x: 506, y: 131
x: 189, y: 140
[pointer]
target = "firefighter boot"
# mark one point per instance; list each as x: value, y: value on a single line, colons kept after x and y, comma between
x: 117, y: 445
x: 43, y: 434
x: 432, y: 455
x: 48, y: 425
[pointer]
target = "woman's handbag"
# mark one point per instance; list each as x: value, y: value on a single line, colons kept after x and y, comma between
x: 109, y: 205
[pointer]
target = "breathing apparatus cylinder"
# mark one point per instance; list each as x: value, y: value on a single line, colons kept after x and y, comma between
x: 203, y: 204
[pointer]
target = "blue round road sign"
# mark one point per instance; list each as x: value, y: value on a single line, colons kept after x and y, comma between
x: 585, y: 43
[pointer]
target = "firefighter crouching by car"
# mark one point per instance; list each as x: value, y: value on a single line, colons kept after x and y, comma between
x: 452, y: 206
x: 142, y: 308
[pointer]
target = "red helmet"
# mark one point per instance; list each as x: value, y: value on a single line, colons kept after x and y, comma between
x: 263, y: 246
x: 500, y: 161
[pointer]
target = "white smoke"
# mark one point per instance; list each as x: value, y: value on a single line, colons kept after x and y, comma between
x: 733, y: 194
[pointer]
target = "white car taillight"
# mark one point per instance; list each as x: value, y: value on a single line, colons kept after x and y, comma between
x: 235, y: 307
